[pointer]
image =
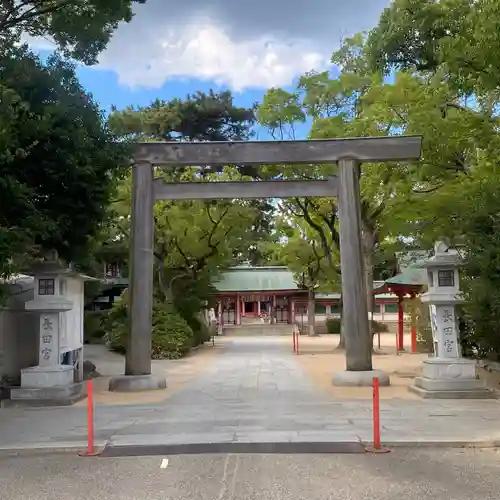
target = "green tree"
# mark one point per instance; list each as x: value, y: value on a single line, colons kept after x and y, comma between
x: 208, y: 116
x: 335, y: 106
x: 80, y: 28
x: 198, y: 117
x: 59, y: 163
x: 195, y: 237
x: 307, y: 259
x: 460, y: 36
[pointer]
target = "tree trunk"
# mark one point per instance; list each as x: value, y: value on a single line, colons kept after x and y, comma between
x: 368, y: 250
x: 311, y: 316
x: 165, y: 289
x: 341, y: 346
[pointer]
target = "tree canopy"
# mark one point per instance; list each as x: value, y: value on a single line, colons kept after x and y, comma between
x: 460, y: 37
x: 80, y: 28
x: 201, y: 117
x: 58, y: 160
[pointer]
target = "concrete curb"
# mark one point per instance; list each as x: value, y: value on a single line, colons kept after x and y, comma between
x: 256, y: 448
x: 442, y: 444
x: 35, y: 449
x: 107, y: 449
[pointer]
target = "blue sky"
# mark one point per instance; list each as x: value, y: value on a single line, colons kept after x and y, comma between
x: 104, y: 85
x: 171, y: 49
x: 107, y: 91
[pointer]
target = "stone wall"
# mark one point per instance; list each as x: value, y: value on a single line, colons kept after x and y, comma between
x: 18, y: 333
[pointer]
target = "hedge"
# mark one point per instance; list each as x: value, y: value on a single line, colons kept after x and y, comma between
x: 333, y: 326
x: 93, y: 329
x: 171, y: 336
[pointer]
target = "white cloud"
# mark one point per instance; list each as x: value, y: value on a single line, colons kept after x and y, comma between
x: 207, y: 52
x: 237, y: 43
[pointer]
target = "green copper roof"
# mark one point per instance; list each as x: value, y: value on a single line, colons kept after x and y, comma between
x: 411, y: 275
x: 256, y: 279
x: 269, y: 279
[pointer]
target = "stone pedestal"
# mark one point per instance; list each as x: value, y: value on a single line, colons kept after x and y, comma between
x: 47, y: 386
x: 135, y: 383
x: 46, y: 376
x: 360, y: 378
x: 450, y: 379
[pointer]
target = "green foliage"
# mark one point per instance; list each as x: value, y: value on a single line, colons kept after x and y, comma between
x: 378, y: 327
x: 58, y: 162
x: 333, y: 325
x: 116, y: 325
x: 304, y: 256
x: 201, y: 117
x: 172, y: 337
x: 194, y: 240
x: 460, y: 36
x: 93, y: 328
x: 479, y: 226
x: 81, y: 28
x: 425, y: 341
x: 195, y: 235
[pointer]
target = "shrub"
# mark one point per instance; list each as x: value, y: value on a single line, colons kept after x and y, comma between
x: 116, y: 326
x: 378, y: 327
x: 171, y: 336
x: 93, y: 330
x: 425, y: 341
x: 333, y: 325
x: 201, y: 332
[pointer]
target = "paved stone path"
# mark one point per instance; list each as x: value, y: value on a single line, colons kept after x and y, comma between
x: 255, y: 391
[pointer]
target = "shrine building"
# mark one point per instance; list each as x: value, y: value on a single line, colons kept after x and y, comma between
x: 245, y: 293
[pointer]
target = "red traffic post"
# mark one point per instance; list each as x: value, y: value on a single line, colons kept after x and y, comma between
x: 413, y: 340
x: 398, y: 347
x: 90, y: 451
x: 377, y: 446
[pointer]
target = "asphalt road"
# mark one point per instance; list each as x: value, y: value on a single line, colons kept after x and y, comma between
x: 421, y: 474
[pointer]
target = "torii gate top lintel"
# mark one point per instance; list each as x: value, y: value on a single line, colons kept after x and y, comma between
x: 362, y: 149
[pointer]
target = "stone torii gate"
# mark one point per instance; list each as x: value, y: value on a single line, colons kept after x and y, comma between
x: 347, y: 153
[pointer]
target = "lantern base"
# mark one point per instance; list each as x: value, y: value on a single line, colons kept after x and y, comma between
x: 452, y: 378
x: 46, y: 396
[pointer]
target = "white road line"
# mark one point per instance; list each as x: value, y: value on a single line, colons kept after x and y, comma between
x: 164, y: 463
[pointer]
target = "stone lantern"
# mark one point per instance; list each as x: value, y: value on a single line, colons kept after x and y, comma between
x: 58, y: 300
x: 447, y: 374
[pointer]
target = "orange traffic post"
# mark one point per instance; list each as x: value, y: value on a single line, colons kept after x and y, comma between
x: 413, y: 326
x: 413, y: 340
x: 377, y: 446
x: 401, y: 324
x: 376, y: 414
x: 90, y: 451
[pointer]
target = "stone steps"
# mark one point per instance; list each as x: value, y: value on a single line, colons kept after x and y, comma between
x: 257, y: 330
